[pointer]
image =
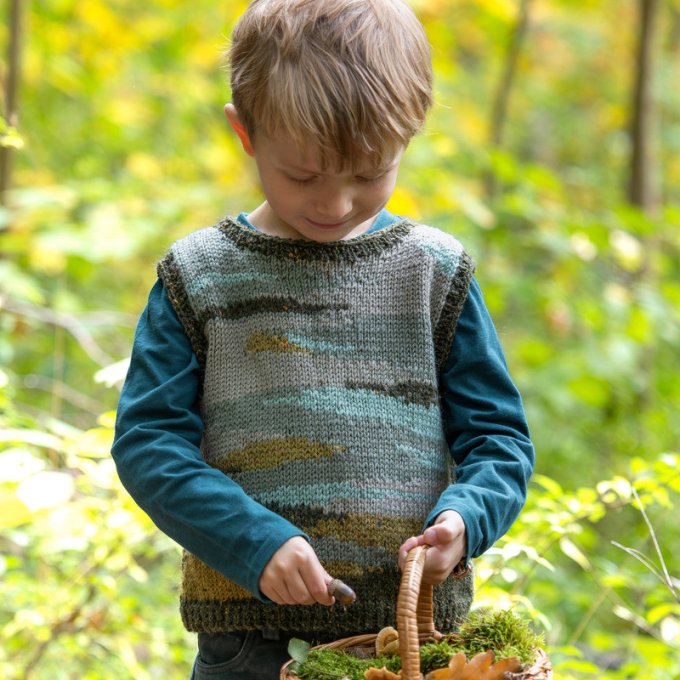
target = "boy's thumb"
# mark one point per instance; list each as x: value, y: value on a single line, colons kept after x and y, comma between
x: 436, y: 534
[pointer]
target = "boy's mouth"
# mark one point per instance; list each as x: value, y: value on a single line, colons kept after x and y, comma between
x: 327, y: 225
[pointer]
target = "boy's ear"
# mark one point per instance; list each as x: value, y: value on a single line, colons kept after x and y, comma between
x: 239, y: 128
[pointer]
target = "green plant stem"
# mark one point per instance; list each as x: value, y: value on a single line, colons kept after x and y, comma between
x: 587, y: 617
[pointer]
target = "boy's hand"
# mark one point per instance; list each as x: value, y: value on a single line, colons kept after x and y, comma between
x: 448, y: 545
x: 294, y: 575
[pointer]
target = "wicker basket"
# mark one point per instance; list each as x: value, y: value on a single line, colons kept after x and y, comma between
x: 415, y: 623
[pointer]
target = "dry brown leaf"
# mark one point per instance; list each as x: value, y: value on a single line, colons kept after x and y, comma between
x: 478, y: 667
x: 481, y: 667
x: 380, y: 674
x: 439, y: 674
x: 456, y: 664
x: 510, y: 664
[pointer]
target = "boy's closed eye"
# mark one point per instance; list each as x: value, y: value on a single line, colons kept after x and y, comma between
x: 369, y: 180
x: 305, y: 181
x: 302, y: 180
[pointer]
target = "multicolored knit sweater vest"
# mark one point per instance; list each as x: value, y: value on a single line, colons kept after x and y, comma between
x: 320, y: 398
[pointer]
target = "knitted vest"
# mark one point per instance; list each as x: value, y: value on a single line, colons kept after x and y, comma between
x: 320, y: 399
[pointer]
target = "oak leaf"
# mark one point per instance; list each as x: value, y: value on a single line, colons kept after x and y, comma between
x: 481, y: 667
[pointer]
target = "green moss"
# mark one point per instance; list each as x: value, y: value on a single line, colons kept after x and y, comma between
x: 435, y: 655
x: 499, y: 630
x: 325, y: 664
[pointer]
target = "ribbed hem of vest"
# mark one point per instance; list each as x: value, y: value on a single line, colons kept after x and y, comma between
x: 453, y: 306
x: 451, y: 603
x: 168, y: 272
x: 359, y: 247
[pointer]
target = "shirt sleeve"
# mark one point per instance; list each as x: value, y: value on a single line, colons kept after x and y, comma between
x: 486, y: 429
x: 157, y: 453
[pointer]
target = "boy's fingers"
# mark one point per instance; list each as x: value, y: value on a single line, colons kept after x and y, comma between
x: 407, y: 546
x: 313, y: 583
x: 275, y: 596
x: 289, y: 588
x: 298, y: 592
x: 294, y: 575
x: 316, y: 586
x: 307, y: 585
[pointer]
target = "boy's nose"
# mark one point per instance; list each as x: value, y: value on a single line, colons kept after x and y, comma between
x: 334, y: 205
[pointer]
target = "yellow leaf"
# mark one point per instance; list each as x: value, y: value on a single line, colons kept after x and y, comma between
x: 108, y: 418
x: 403, y: 202
x: 655, y: 614
x: 503, y: 9
x: 13, y: 512
x: 94, y: 443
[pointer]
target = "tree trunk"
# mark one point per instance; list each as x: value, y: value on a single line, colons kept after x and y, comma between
x: 644, y: 182
x: 642, y: 187
x: 11, y: 91
x: 674, y: 37
x: 499, y: 111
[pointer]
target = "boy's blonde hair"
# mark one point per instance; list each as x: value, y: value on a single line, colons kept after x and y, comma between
x: 351, y: 77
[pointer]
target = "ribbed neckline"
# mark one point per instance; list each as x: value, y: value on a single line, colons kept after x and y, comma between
x: 365, y: 245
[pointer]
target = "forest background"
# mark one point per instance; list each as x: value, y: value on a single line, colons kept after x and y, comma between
x: 553, y: 153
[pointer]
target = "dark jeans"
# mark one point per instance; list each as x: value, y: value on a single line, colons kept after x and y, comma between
x: 252, y: 655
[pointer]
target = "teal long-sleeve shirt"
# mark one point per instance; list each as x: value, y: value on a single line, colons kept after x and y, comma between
x: 159, y: 430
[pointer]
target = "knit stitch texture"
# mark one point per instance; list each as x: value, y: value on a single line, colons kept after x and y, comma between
x: 320, y: 398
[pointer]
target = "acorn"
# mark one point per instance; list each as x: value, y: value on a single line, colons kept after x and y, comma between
x: 341, y: 592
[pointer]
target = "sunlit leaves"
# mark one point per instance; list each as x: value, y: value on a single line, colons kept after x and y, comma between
x: 74, y: 535
x: 557, y: 521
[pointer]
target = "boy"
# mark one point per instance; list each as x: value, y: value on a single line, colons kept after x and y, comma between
x: 303, y: 374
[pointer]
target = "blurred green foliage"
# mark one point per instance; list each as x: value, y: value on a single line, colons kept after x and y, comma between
x: 122, y: 147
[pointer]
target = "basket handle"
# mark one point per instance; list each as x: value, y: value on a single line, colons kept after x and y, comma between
x: 414, y: 613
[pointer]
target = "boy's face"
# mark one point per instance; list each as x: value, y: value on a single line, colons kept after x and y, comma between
x: 306, y: 201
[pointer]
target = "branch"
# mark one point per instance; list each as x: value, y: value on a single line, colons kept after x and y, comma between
x: 499, y: 111
x: 661, y: 574
x: 70, y: 394
x: 62, y: 320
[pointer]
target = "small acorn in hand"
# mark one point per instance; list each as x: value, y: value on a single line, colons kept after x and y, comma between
x: 341, y: 592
